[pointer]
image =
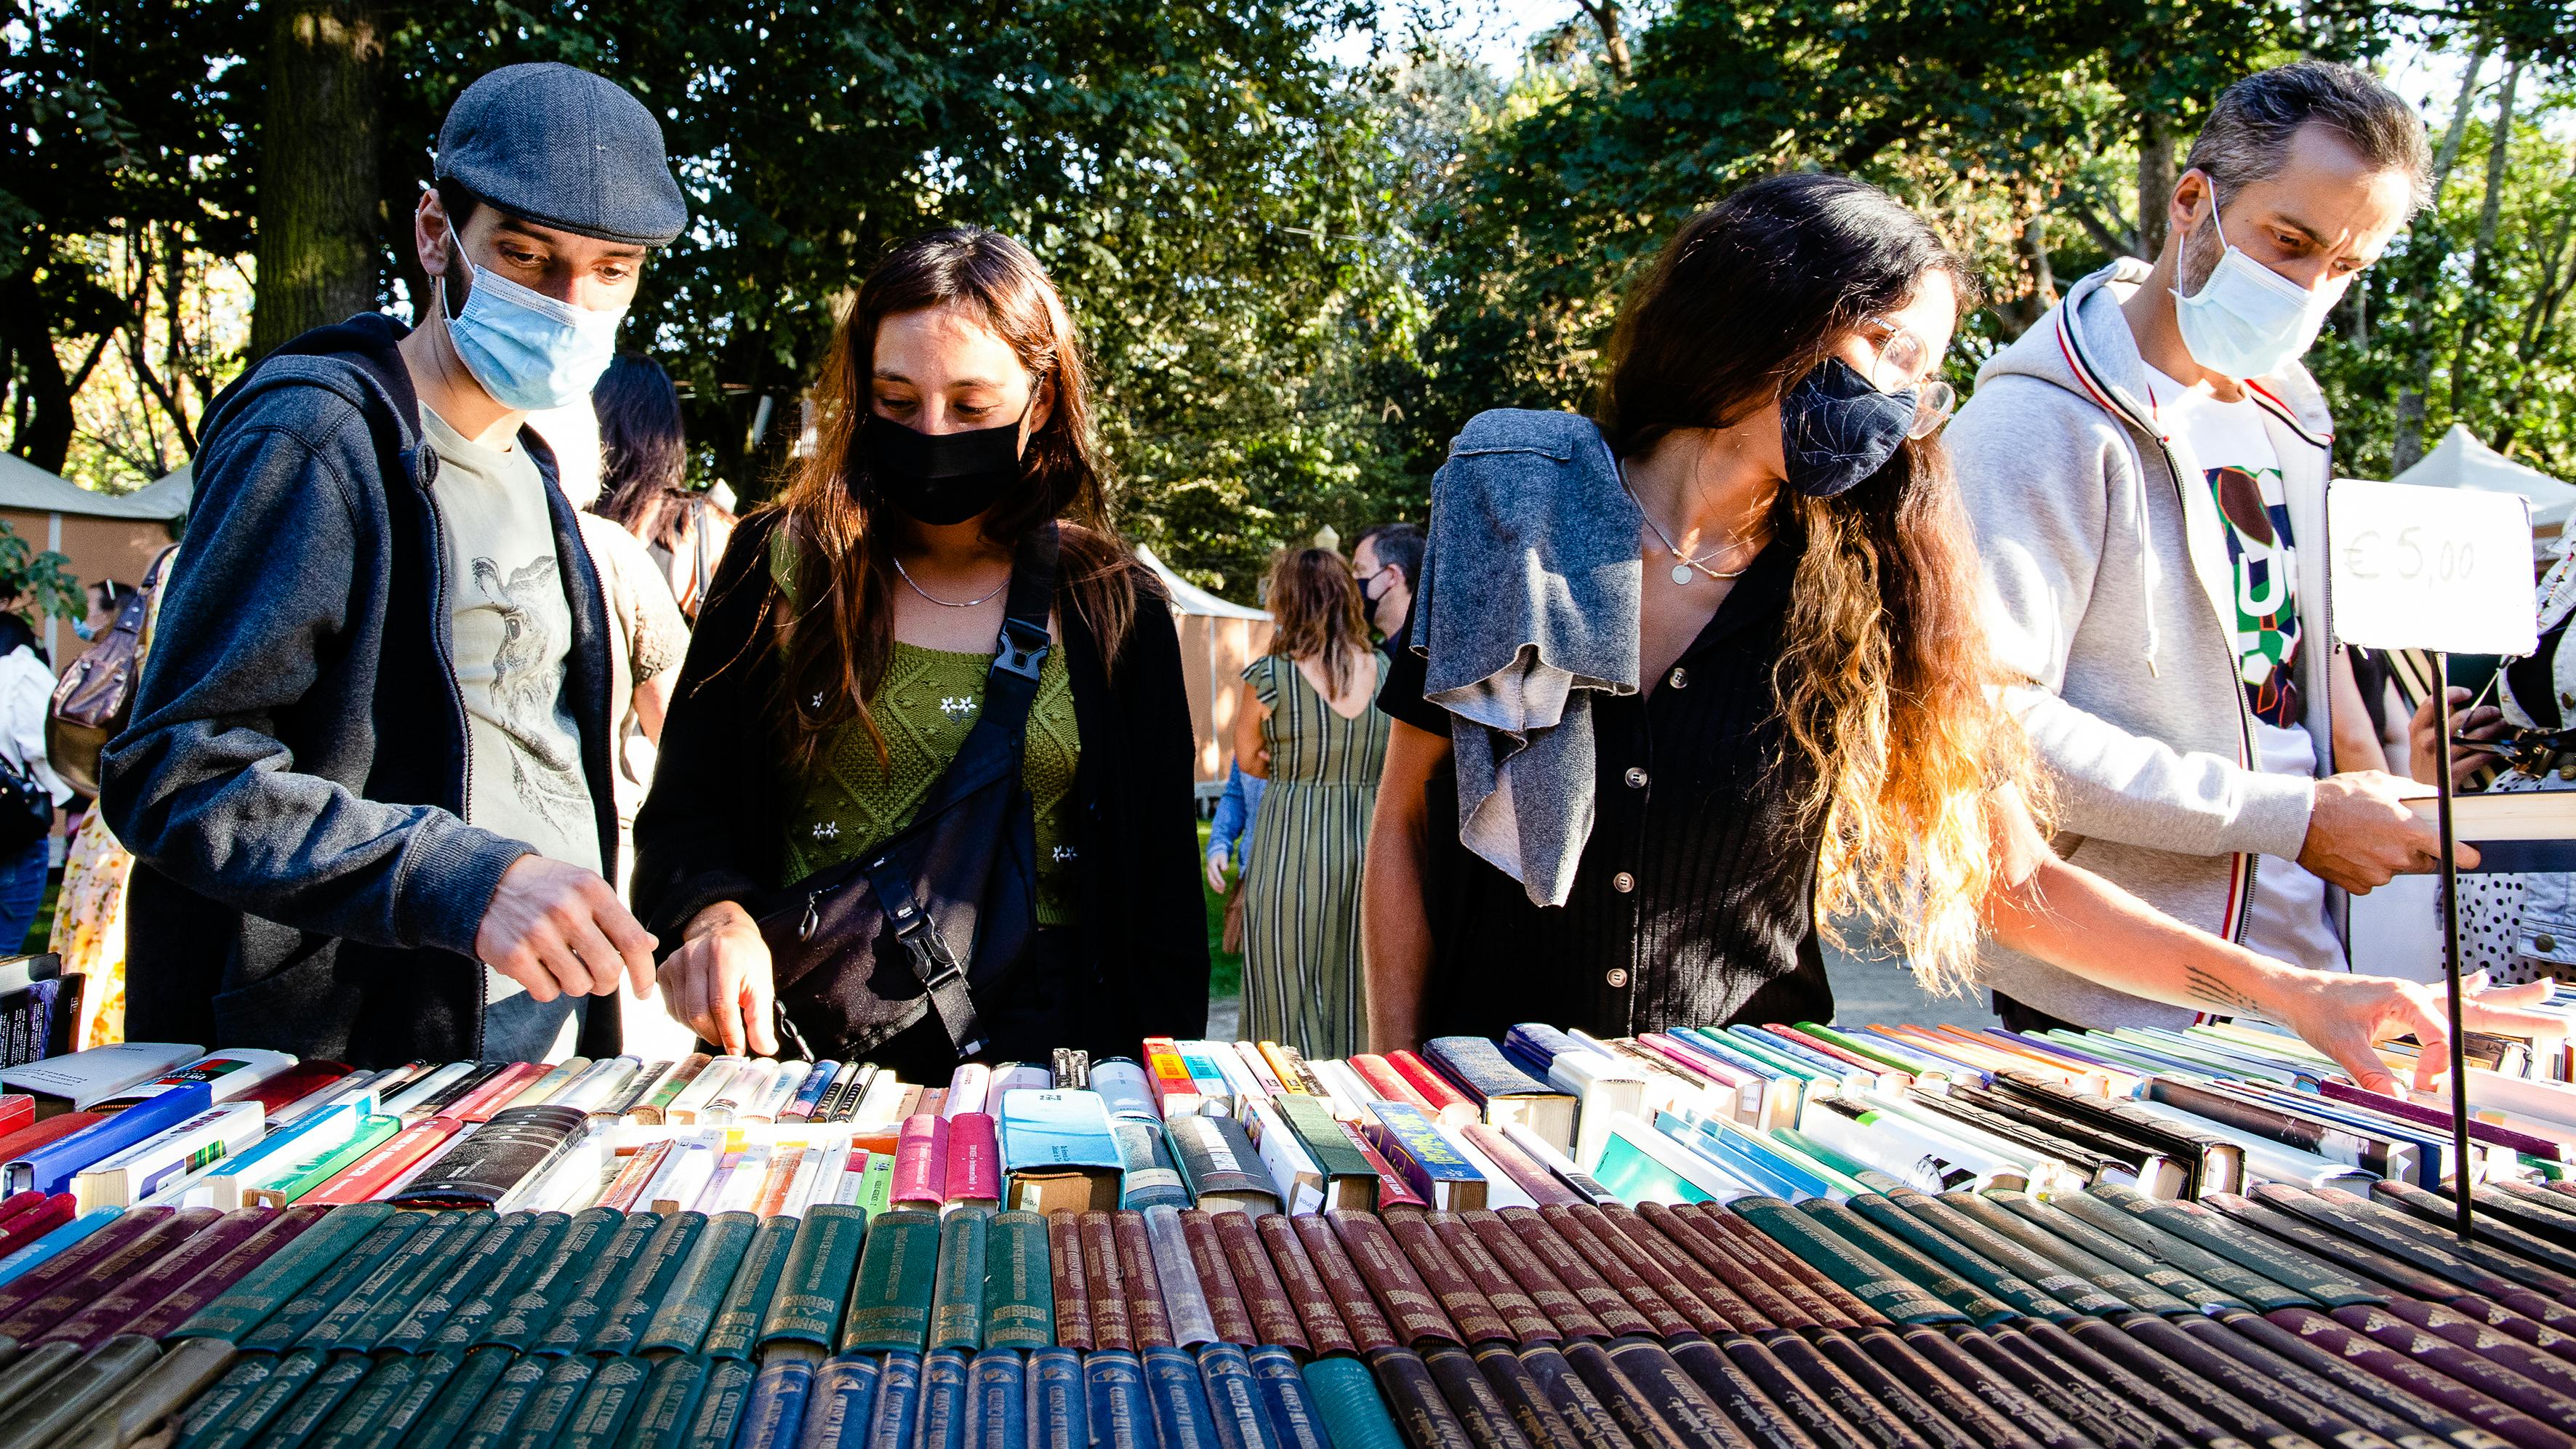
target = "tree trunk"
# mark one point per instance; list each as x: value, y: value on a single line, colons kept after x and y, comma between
x: 1614, y: 41
x: 2155, y: 182
x: 2490, y: 214
x: 318, y: 195
x: 2407, y: 447
x: 2449, y: 155
x: 44, y: 434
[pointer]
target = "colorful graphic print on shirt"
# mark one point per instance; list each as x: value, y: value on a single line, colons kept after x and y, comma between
x: 2262, y: 563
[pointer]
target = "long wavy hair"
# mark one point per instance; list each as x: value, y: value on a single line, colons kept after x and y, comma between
x: 1886, y: 686
x: 837, y: 635
x: 1317, y: 613
x: 644, y: 452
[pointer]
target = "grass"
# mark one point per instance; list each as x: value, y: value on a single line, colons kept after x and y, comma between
x: 1225, y: 968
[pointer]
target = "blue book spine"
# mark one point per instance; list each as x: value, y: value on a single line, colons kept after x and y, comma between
x: 898, y: 1406
x: 776, y: 1409
x: 1293, y: 1420
x: 1122, y: 1413
x: 997, y: 1401
x: 55, y: 1241
x: 50, y: 1168
x: 844, y: 1390
x: 817, y: 1082
x: 943, y: 1400
x: 1234, y: 1399
x: 1181, y: 1413
x: 1059, y: 1415
x: 1798, y: 1052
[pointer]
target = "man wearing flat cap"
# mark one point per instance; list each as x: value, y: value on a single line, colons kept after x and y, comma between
x: 367, y: 782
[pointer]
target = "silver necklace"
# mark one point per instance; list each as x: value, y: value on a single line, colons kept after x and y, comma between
x: 1683, y: 568
x: 948, y: 603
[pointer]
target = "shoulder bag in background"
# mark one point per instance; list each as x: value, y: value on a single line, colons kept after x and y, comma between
x: 94, y: 696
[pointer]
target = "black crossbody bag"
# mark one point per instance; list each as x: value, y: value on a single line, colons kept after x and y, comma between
x: 945, y: 907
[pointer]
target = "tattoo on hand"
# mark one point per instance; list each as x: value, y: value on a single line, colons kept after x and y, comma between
x: 2207, y: 987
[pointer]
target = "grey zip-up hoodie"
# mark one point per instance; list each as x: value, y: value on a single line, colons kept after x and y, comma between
x: 2112, y: 600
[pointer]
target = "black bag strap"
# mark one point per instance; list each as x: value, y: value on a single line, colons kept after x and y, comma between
x: 991, y: 751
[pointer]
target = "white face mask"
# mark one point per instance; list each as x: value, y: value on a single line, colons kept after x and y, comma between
x: 2248, y: 320
x: 530, y: 351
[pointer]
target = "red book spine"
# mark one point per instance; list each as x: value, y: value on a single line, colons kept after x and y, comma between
x: 282, y: 1227
x: 115, y: 1304
x: 1435, y: 1088
x: 1382, y: 1078
x: 31, y: 1285
x: 1274, y: 1315
x: 1520, y: 1312
x: 1305, y: 1287
x: 974, y: 1159
x: 1072, y: 1287
x: 1468, y: 1309
x: 1392, y: 1189
x: 295, y: 1084
x: 1540, y: 1184
x: 133, y: 1256
x: 1561, y: 1304
x: 17, y: 1203
x: 1833, y: 1305
x: 17, y: 1112
x: 1110, y: 1325
x: 1618, y: 1317
x: 1349, y: 1291
x: 63, y: 1124
x: 1226, y: 1308
x: 1729, y: 1266
x: 1146, y: 1317
x: 28, y: 1226
x: 1614, y: 1234
x: 1578, y: 1234
x: 378, y: 1170
x: 479, y: 1105
x: 1410, y: 1304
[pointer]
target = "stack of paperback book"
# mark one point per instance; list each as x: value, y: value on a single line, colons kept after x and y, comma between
x: 1783, y: 1235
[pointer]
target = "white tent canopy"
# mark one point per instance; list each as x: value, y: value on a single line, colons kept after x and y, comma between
x: 26, y: 486
x: 1189, y: 598
x: 2461, y: 461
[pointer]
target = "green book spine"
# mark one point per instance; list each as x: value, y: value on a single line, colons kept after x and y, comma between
x: 890, y: 1304
x: 688, y: 1305
x: 1019, y: 1283
x: 396, y: 1287
x: 429, y: 1378
x: 957, y: 1293
x: 218, y: 1403
x: 670, y: 1401
x: 301, y: 1420
x: 1980, y: 1306
x: 814, y: 1284
x: 720, y: 1403
x: 876, y: 1184
x: 463, y: 1279
x: 529, y: 1253
x: 604, y: 1406
x: 579, y: 1313
x: 366, y: 1407
x: 263, y: 1403
x: 528, y: 1311
x: 737, y: 1325
x: 474, y: 1379
x: 648, y: 1278
x: 1874, y: 1283
x: 2011, y: 1288
x: 371, y: 1134
x: 2242, y: 1286
x: 487, y: 1425
x: 2242, y: 1245
x: 282, y: 1328
x: 567, y: 1379
x: 266, y: 1288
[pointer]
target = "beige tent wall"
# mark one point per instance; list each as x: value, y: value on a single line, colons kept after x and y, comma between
x: 1213, y: 654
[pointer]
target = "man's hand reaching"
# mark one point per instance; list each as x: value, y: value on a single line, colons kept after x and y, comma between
x: 559, y: 930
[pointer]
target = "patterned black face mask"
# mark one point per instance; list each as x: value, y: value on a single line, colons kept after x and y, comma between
x: 1836, y: 429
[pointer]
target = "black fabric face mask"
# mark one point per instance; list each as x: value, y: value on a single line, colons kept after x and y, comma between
x: 940, y: 478
x: 1836, y: 429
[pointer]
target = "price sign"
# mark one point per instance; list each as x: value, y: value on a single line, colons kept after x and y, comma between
x: 2430, y: 568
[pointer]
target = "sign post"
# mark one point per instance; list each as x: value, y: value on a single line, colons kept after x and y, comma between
x: 2448, y: 571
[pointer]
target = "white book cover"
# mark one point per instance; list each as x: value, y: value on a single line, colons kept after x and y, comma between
x: 967, y: 1087
x: 693, y: 1098
x: 600, y: 1081
x: 1604, y: 1086
x: 1300, y: 1181
x: 227, y: 1074
x: 877, y: 1104
x: 781, y: 1090
x: 1347, y: 1093
x: 136, y: 1173
x: 280, y: 1153
x: 1240, y: 1079
x: 323, y: 1096
x: 1501, y: 1191
x: 407, y: 1102
x: 87, y: 1078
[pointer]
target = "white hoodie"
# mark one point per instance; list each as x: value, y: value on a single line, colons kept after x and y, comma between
x: 2112, y: 600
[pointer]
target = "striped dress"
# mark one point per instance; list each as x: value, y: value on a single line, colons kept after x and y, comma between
x: 1301, y: 876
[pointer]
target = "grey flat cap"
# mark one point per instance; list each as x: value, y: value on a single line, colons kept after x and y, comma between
x: 564, y: 148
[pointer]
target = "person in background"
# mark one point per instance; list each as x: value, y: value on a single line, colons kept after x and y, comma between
x: 842, y: 663
x: 366, y: 781
x: 1387, y: 560
x: 2146, y: 469
x: 645, y: 478
x: 26, y: 690
x: 1761, y: 696
x: 1306, y: 726
x: 1236, y: 812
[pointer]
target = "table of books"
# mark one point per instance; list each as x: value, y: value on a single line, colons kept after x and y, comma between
x: 1784, y: 1236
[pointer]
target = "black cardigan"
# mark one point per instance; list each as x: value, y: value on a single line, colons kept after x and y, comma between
x: 712, y: 828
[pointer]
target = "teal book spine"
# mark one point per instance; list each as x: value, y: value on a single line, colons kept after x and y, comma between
x: 720, y: 1403
x: 530, y: 1251
x: 446, y: 1415
x: 464, y: 1278
x: 957, y: 1295
x: 391, y: 1295
x: 737, y: 1322
x: 689, y: 1304
x: 366, y: 1406
x: 533, y: 1306
x: 588, y: 1302
x: 600, y: 1414
x: 487, y: 1424
x: 814, y: 1282
x: 312, y: 1409
x: 647, y: 1281
x: 669, y: 1403
x: 268, y: 1287
x: 280, y: 1330
x: 262, y: 1403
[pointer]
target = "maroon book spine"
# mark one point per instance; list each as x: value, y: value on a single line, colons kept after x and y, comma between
x: 2423, y: 1380
x: 2487, y: 1375
x: 1833, y: 1305
x: 1316, y: 1312
x: 1520, y: 1312
x: 281, y: 1228
x: 126, y: 1299
x: 1381, y: 1263
x: 1560, y: 1303
x: 1578, y: 1234
x: 1147, y: 1319
x: 75, y: 1261
x: 2544, y: 1368
x: 1110, y: 1326
x: 1072, y: 1289
x: 1274, y: 1315
x: 1226, y: 1308
x: 1618, y: 1316
x: 136, y: 1255
x: 1625, y: 1235
x: 1470, y: 1311
x: 1722, y: 1262
x: 1350, y: 1292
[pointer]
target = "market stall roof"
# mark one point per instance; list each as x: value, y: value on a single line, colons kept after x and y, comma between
x: 2461, y: 461
x: 169, y: 495
x: 25, y: 486
x: 1189, y: 598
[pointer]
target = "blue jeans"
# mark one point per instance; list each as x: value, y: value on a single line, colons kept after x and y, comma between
x: 22, y: 890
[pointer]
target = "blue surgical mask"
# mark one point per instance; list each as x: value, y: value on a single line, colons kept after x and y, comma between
x: 1836, y: 429
x: 530, y: 351
x: 2248, y: 320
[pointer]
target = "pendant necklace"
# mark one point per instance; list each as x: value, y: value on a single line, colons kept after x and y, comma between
x: 1683, y: 567
x: 948, y: 603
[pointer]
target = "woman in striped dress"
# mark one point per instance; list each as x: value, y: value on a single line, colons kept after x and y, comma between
x: 1308, y: 725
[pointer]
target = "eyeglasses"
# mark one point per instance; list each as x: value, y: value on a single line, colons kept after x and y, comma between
x: 1903, y: 360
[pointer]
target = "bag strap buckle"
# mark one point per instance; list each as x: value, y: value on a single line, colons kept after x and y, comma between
x: 1021, y: 653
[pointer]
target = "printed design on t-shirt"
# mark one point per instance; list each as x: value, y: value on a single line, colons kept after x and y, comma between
x: 525, y: 692
x: 2262, y: 559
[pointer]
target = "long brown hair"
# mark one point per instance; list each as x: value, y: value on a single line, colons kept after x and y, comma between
x: 1885, y: 683
x: 838, y: 634
x: 1317, y: 613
